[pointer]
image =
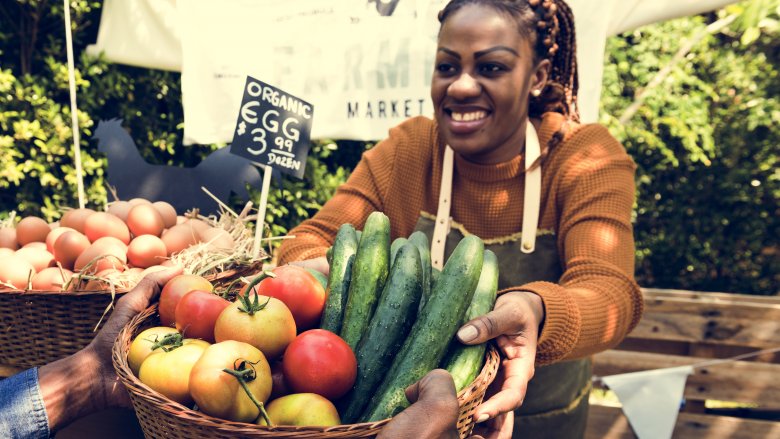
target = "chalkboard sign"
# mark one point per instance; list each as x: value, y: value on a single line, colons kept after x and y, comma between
x: 273, y: 128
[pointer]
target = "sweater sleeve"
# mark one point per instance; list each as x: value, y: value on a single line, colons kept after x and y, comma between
x: 361, y: 194
x: 597, y: 302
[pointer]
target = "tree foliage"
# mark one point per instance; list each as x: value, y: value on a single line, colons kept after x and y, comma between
x: 705, y: 139
x: 705, y: 142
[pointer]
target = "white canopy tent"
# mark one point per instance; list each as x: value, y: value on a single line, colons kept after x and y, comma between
x: 363, y: 72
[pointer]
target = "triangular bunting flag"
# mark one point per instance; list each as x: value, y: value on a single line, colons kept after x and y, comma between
x: 651, y: 399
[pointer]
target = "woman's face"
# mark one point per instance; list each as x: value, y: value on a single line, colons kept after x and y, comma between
x: 482, y: 79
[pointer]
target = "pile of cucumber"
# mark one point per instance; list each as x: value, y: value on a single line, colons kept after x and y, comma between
x: 400, y: 316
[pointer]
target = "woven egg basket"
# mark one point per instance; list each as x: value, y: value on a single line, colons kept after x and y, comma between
x: 162, y: 418
x: 39, y: 327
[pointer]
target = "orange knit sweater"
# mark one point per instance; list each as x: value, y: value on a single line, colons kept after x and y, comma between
x: 587, y: 196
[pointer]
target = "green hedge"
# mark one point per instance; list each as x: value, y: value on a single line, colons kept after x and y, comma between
x: 705, y: 142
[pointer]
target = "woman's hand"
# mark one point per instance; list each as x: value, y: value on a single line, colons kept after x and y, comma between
x: 514, y: 323
x: 320, y: 264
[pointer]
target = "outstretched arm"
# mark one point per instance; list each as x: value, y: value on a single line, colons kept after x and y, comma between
x: 85, y: 382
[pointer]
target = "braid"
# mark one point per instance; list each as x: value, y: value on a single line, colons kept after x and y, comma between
x: 556, y: 42
x: 549, y: 24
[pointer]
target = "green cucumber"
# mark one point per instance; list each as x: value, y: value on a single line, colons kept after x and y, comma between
x: 343, y: 256
x: 369, y: 273
x: 464, y: 362
x: 419, y: 239
x: 431, y: 334
x: 394, y: 247
x: 395, y: 313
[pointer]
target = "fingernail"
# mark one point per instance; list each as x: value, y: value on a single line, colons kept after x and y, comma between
x: 467, y: 333
x: 482, y: 418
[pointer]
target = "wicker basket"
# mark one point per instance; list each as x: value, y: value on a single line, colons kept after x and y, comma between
x: 162, y: 418
x: 39, y: 327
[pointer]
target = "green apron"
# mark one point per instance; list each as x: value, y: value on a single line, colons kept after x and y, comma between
x: 556, y: 402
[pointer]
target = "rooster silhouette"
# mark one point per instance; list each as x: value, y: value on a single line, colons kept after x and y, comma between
x: 220, y: 172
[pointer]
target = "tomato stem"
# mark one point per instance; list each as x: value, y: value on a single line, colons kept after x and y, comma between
x: 244, y: 375
x: 247, y: 305
x: 229, y: 289
x: 168, y: 343
x: 259, y: 278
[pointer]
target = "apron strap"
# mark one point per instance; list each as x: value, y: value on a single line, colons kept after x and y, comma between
x: 533, y: 190
x: 531, y: 200
x: 442, y: 227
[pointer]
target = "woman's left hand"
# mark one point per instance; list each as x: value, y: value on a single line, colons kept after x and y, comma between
x: 514, y: 323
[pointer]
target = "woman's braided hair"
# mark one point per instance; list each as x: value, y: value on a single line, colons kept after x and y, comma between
x: 549, y: 24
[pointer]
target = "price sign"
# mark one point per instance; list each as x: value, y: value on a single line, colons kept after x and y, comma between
x: 273, y: 128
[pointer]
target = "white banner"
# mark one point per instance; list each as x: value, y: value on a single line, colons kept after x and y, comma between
x: 651, y: 399
x: 363, y: 74
x: 365, y: 64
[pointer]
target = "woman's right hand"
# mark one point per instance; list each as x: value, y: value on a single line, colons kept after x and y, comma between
x: 320, y: 264
x: 515, y: 324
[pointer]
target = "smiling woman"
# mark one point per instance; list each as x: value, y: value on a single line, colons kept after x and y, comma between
x: 550, y: 197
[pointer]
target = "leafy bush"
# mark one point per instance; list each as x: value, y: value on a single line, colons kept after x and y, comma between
x: 705, y: 143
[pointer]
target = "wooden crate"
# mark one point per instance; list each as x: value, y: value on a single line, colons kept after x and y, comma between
x: 685, y: 328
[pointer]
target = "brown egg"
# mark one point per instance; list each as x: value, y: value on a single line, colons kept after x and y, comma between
x: 103, y: 224
x: 146, y: 250
x: 105, y: 253
x: 68, y: 247
x: 198, y: 225
x: 36, y: 244
x: 120, y: 209
x: 144, y: 219
x: 98, y: 285
x: 167, y: 212
x: 153, y: 269
x: 53, y: 235
x: 110, y: 240
x: 51, y: 279
x: 15, y: 271
x: 54, y: 225
x: 8, y: 238
x: 6, y: 252
x: 180, y: 219
x: 137, y: 201
x: 31, y: 229
x: 168, y: 263
x: 76, y: 218
x: 39, y: 258
x: 217, y: 239
x: 179, y: 237
x: 134, y: 271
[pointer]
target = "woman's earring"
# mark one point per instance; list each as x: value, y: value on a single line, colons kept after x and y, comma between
x: 536, y: 93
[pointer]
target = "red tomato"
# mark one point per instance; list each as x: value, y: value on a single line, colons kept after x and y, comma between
x: 174, y: 290
x: 300, y: 291
x: 197, y: 313
x: 319, y: 361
